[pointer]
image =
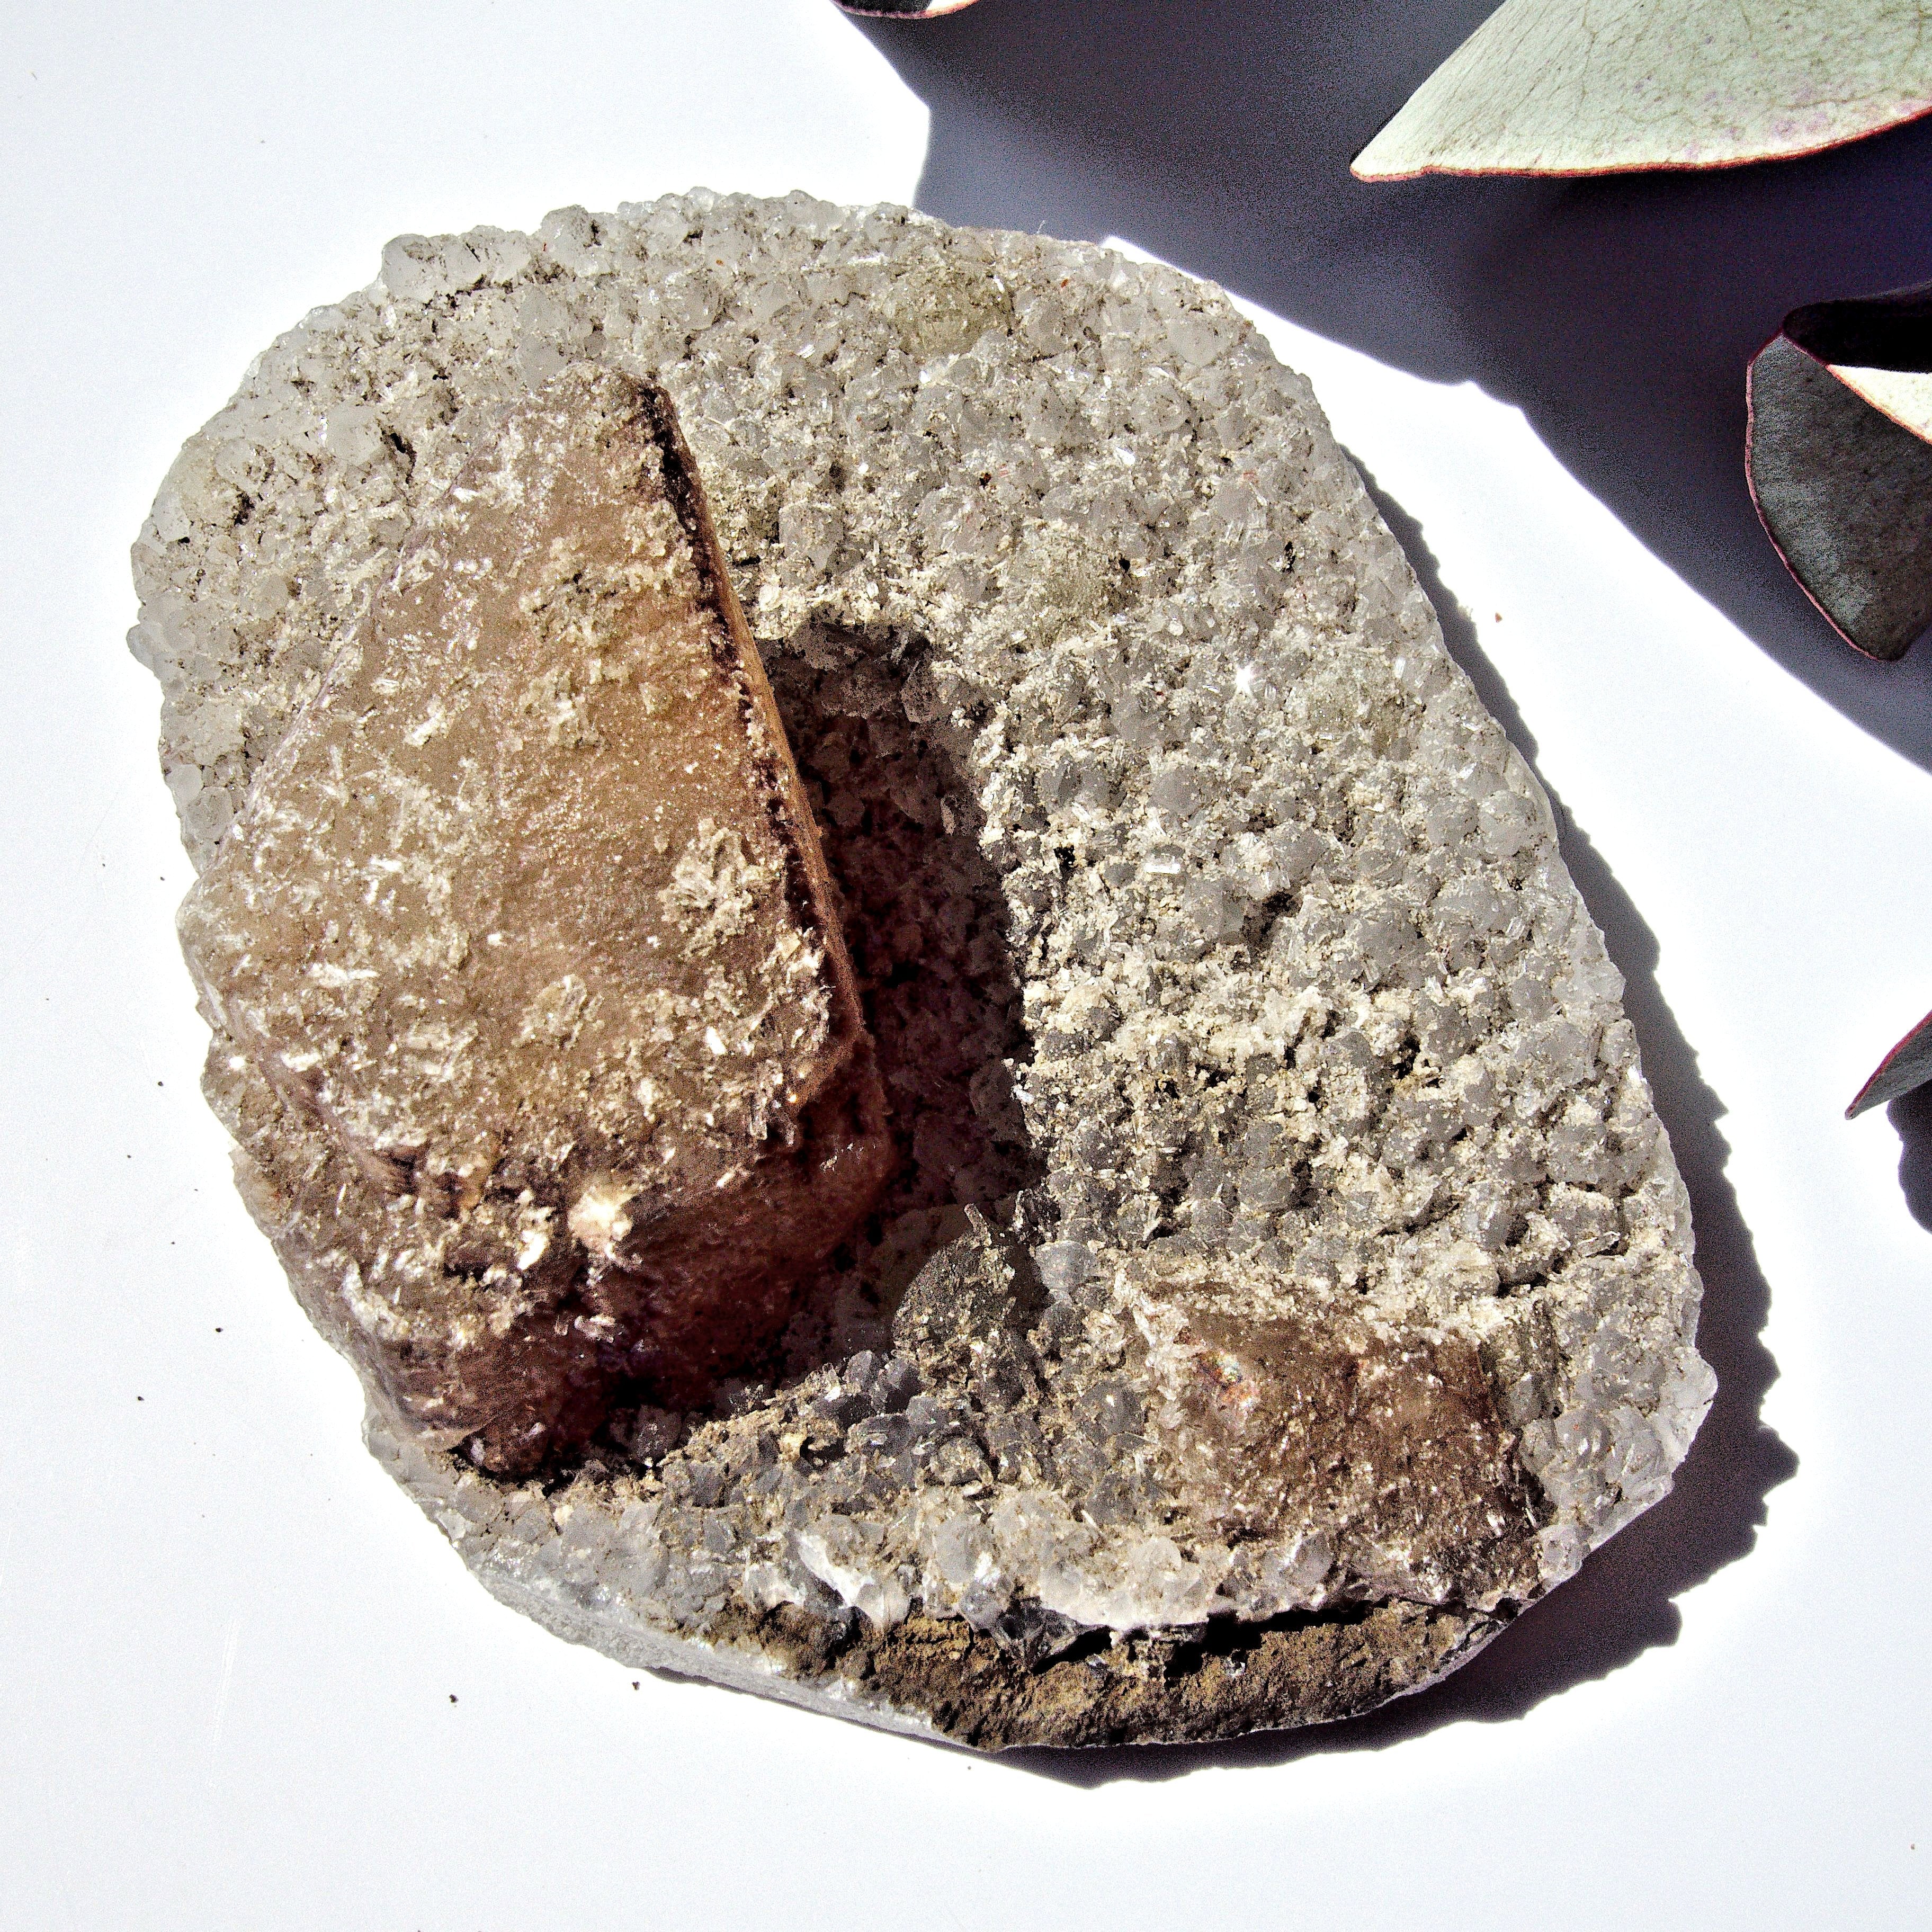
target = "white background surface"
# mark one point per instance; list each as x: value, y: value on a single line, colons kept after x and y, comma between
x: 243, y: 1683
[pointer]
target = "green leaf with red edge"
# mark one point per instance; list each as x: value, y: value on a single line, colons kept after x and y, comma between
x: 1580, y: 87
x: 1839, y: 455
x: 1907, y: 1065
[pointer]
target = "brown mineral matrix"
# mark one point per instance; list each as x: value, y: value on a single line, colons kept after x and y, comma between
x: 526, y: 925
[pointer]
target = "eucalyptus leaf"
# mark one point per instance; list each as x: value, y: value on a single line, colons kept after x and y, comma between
x: 1839, y: 456
x: 1907, y: 1065
x: 912, y: 10
x: 1572, y: 87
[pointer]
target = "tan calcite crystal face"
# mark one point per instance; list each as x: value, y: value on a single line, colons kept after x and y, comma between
x: 527, y: 925
x: 1328, y: 1440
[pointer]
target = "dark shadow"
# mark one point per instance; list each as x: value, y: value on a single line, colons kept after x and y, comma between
x: 1620, y: 314
x: 925, y: 919
x: 925, y: 922
x: 1620, y: 1604
x: 1911, y: 1113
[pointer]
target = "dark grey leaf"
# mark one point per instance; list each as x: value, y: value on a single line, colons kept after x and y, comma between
x: 1908, y: 1065
x: 1843, y: 486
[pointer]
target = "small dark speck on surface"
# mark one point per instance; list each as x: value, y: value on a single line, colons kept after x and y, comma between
x: 452, y: 1696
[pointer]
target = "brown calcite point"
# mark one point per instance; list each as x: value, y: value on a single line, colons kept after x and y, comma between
x: 533, y: 1016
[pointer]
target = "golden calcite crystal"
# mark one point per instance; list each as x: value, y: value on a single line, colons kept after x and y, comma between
x: 527, y: 927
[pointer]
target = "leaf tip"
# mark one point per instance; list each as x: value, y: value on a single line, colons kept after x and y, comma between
x: 1909, y: 1065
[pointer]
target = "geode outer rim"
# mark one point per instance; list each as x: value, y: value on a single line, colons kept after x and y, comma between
x: 740, y: 1666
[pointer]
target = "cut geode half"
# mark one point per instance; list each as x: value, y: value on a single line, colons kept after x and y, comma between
x: 1284, y: 1279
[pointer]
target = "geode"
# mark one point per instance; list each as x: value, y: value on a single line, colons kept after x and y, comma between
x: 1283, y: 1279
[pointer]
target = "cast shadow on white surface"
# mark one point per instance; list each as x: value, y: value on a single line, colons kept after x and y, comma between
x: 1619, y: 314
x: 1911, y: 1115
x: 1621, y: 1603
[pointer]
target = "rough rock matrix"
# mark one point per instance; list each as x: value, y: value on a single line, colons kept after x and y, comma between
x: 1284, y: 1279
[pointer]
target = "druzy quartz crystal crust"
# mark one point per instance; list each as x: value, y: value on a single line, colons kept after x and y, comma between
x: 1278, y: 1278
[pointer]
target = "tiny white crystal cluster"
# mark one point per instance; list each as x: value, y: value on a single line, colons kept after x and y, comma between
x: 1237, y: 927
